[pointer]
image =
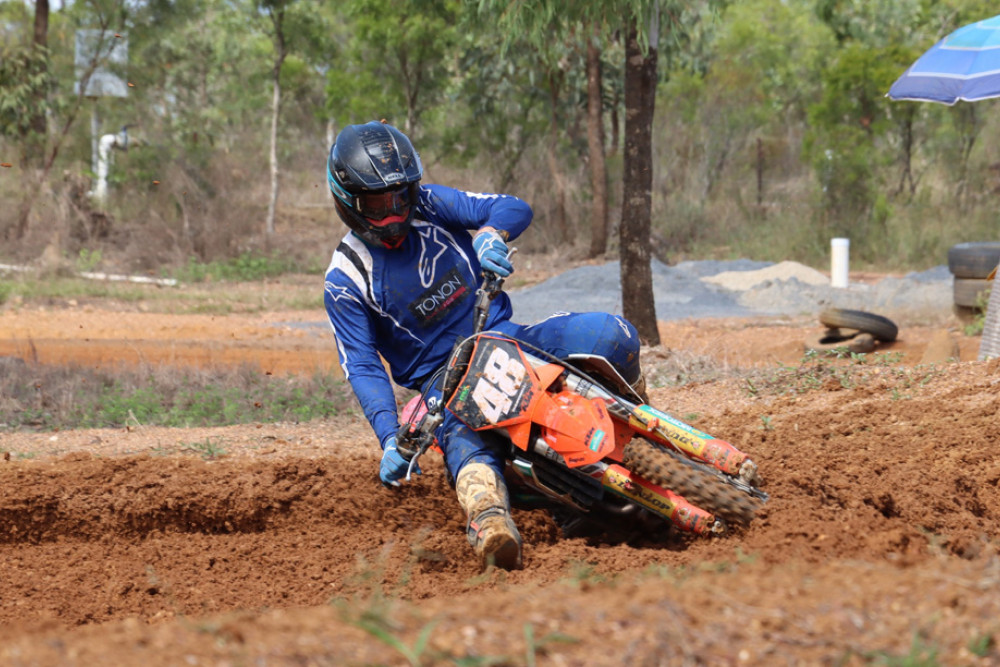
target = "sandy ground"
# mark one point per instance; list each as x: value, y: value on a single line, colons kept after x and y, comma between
x: 126, y: 546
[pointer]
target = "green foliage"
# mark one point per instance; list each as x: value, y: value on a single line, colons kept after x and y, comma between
x: 24, y: 84
x: 55, y: 398
x: 246, y: 267
x: 982, y: 645
x: 921, y: 654
x: 209, y: 449
x: 394, y: 63
x: 839, y: 368
x: 116, y: 407
x: 539, y: 647
x: 499, y: 108
x: 88, y: 259
x: 772, y: 135
x: 845, y: 125
x: 973, y: 328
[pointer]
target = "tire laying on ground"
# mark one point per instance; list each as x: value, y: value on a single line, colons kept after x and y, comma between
x: 973, y: 260
x: 968, y: 291
x: 881, y: 328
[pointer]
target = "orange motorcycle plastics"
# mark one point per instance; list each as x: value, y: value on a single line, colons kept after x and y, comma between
x: 658, y: 500
x: 661, y: 427
x: 501, y: 389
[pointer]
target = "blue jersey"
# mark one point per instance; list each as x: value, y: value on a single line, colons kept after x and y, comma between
x: 410, y: 304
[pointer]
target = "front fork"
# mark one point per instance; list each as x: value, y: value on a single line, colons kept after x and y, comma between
x: 660, y: 427
x: 660, y: 501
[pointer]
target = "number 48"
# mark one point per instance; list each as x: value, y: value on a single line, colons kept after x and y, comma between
x: 502, y: 377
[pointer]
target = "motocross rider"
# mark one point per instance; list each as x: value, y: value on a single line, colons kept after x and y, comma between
x: 402, y: 285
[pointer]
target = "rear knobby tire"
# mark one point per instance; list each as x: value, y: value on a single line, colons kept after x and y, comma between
x: 665, y: 468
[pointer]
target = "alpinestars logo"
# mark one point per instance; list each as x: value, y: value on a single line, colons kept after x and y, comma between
x: 435, y: 301
x: 431, y: 250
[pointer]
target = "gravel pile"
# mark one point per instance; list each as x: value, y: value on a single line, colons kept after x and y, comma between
x: 739, y: 288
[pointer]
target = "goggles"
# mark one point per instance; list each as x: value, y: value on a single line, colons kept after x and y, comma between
x: 377, y: 206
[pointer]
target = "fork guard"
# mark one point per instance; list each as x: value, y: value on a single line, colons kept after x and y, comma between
x: 662, y: 428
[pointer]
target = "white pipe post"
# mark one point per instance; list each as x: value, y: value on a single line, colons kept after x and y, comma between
x: 95, y: 129
x: 108, y: 141
x: 840, y: 252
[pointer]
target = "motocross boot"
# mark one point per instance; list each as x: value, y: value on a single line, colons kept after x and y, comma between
x: 490, y: 528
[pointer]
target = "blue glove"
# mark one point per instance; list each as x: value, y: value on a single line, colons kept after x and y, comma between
x: 393, y: 467
x: 492, y: 253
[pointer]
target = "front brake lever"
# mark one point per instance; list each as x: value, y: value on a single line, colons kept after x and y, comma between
x: 412, y: 441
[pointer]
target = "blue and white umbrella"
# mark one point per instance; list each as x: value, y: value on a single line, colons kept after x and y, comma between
x: 965, y: 65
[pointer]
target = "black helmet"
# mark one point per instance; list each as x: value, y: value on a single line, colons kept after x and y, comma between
x: 373, y: 172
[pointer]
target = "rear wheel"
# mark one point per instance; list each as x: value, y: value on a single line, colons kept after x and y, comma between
x: 669, y: 470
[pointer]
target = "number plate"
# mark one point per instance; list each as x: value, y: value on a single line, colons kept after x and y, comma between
x: 497, y: 386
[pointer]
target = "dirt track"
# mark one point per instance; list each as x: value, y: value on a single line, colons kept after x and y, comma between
x: 126, y: 547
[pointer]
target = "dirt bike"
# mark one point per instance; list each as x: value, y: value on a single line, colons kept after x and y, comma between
x: 579, y: 441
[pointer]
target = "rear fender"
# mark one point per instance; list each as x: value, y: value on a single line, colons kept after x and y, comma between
x: 597, y: 365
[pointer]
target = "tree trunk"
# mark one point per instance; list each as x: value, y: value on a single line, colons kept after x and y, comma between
x: 32, y: 188
x: 272, y: 203
x: 558, y: 183
x: 638, y: 304
x: 280, y: 52
x: 411, y: 90
x: 38, y: 122
x: 595, y: 150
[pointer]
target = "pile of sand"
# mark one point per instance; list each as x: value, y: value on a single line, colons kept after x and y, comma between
x: 744, y: 280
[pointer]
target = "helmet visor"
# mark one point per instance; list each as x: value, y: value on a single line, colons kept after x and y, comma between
x: 378, y: 206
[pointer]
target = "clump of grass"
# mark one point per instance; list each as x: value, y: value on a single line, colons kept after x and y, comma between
x: 975, y: 327
x: 38, y: 397
x: 6, y: 290
x: 209, y: 449
x: 246, y: 267
x: 839, y: 368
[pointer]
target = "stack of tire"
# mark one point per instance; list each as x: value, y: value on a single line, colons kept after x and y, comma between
x: 971, y: 265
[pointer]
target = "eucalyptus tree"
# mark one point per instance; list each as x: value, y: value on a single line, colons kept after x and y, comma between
x: 104, y: 18
x: 23, y: 80
x: 24, y: 75
x: 555, y: 31
x: 40, y: 45
x: 392, y: 59
x: 757, y: 73
x: 640, y: 23
x: 292, y: 25
x: 496, y: 106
